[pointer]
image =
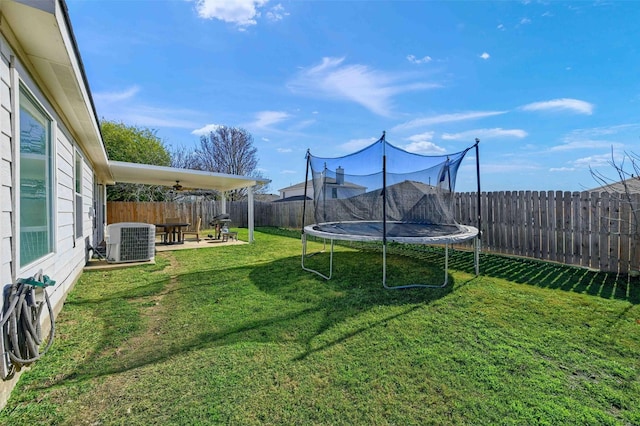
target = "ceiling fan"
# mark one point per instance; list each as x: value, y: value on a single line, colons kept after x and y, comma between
x: 177, y: 186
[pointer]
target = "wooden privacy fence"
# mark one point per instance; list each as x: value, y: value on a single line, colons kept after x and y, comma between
x: 157, y: 212
x: 590, y: 229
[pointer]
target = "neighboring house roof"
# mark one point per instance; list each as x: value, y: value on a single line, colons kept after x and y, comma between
x: 329, y: 181
x: 266, y: 197
x: 632, y: 185
x: 295, y: 187
x: 405, y: 187
x: 293, y: 198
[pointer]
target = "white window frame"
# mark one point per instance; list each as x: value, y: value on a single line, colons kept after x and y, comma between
x: 78, y: 199
x: 24, y: 93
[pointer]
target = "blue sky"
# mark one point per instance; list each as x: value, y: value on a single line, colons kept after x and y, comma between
x: 550, y: 88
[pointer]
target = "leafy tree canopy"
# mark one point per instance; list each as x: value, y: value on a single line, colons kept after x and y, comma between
x: 134, y: 144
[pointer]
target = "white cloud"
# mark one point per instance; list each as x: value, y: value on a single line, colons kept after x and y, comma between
x: 593, y: 161
x: 284, y: 150
x: 289, y: 172
x: 357, y: 144
x: 425, y: 148
x: 277, y: 13
x: 422, y: 144
x: 562, y: 169
x: 243, y: 13
x: 501, y: 27
x: 414, y: 60
x: 485, y: 56
x: 605, y: 131
x: 421, y: 137
x: 486, y: 133
x: 155, y: 117
x: 206, y: 129
x: 563, y: 104
x: 116, y: 96
x: 446, y: 118
x: 267, y: 118
x: 122, y: 106
x: 509, y: 168
x: 357, y: 83
x: 585, y: 144
x: 525, y: 21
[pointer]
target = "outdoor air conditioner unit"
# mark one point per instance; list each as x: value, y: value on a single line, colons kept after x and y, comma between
x: 130, y: 242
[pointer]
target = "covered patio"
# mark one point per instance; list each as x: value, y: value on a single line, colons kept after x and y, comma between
x: 124, y: 172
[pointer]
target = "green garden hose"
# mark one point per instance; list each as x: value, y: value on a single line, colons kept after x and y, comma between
x: 21, y: 330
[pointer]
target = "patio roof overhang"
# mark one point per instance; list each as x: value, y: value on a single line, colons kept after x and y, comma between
x: 124, y: 172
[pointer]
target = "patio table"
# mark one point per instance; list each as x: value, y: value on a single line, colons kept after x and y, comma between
x: 173, y: 232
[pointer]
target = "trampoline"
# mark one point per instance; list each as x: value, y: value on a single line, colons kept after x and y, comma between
x: 409, y: 204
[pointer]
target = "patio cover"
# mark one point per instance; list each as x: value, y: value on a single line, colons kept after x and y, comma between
x: 124, y: 172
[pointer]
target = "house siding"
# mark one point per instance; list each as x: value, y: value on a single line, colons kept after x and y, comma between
x: 6, y: 209
x: 66, y: 262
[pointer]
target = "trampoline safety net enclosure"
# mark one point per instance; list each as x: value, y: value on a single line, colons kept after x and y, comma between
x: 384, y: 193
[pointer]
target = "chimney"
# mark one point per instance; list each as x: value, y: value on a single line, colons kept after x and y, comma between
x: 339, y: 176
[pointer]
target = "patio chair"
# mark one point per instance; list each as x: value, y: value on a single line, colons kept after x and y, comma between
x: 195, y: 231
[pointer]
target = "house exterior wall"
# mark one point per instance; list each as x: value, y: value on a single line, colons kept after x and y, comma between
x: 333, y: 190
x: 66, y: 262
x: 296, y: 190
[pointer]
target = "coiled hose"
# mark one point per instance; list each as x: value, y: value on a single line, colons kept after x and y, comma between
x: 21, y: 330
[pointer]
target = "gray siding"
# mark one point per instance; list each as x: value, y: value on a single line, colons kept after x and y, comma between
x: 65, y: 264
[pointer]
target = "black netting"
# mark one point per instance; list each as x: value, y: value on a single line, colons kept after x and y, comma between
x: 419, y: 188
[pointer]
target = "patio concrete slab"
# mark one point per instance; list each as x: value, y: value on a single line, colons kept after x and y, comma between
x: 99, y: 264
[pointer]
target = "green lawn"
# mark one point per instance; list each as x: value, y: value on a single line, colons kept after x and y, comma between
x: 242, y: 335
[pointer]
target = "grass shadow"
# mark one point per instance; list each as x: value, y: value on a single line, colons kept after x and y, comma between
x: 355, y: 287
x: 520, y: 270
x: 304, y: 306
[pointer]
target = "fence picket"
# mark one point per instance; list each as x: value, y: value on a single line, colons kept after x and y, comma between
x: 625, y: 230
x: 587, y: 229
x: 604, y: 231
x: 544, y: 224
x: 535, y: 220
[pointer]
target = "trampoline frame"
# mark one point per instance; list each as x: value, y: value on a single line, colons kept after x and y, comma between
x: 471, y: 232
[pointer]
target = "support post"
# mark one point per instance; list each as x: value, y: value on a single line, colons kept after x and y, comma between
x: 479, y: 240
x: 250, y: 212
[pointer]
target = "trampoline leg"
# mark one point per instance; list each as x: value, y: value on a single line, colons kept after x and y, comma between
x: 476, y: 255
x: 384, y: 272
x: 304, y: 254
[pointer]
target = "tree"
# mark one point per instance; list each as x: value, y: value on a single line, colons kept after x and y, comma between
x: 229, y: 150
x: 183, y: 158
x: 135, y: 145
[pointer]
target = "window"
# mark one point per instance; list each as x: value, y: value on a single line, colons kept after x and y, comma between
x: 36, y: 184
x: 78, y: 198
